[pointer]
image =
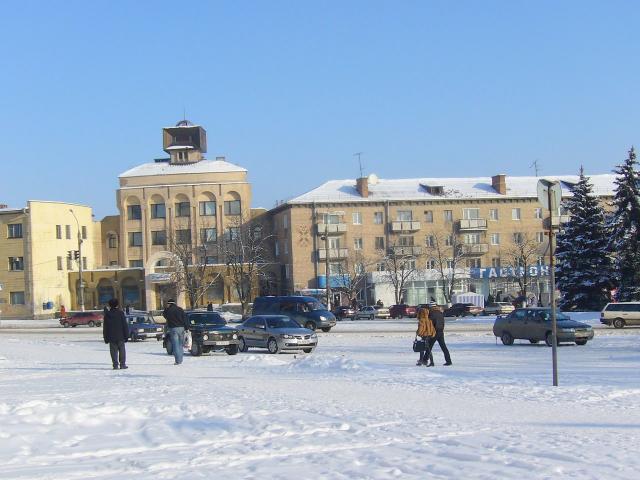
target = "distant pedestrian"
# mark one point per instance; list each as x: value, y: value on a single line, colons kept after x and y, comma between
x: 127, y: 309
x: 209, y: 307
x: 63, y: 312
x: 176, y: 323
x: 437, y: 317
x: 115, y: 332
x: 426, y: 331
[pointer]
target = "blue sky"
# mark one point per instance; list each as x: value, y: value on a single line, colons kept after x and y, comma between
x: 292, y: 89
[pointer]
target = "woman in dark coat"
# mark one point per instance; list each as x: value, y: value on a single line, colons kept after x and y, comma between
x: 115, y: 332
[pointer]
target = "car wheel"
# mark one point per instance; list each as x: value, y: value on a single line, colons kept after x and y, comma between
x: 133, y: 339
x: 548, y: 339
x: 272, y: 345
x: 242, y: 345
x: 310, y: 326
x: 232, y: 349
x: 506, y: 338
x: 618, y: 323
x: 371, y: 317
x: 307, y: 350
x: 168, y: 347
x: 326, y: 329
x: 531, y: 340
x: 99, y: 324
x: 92, y: 323
x: 74, y: 325
x: 196, y: 349
x: 581, y: 342
x: 65, y: 324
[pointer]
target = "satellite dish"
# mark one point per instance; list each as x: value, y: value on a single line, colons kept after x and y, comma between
x: 373, y: 179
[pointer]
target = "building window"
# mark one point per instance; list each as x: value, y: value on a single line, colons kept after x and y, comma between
x: 517, y: 237
x: 357, y: 218
x: 404, y: 216
x: 470, y: 213
x: 208, y: 235
x: 113, y: 263
x: 431, y: 264
x: 83, y: 229
x: 473, y: 263
x: 158, y: 210
x: 232, y: 207
x: 410, y: 264
x: 67, y: 230
x: 334, y: 243
x: 449, y: 263
x: 448, y: 215
x: 357, y: 243
x: 448, y: 241
x: 182, y: 209
x: 377, y: 218
x: 540, y: 237
x: 277, y: 249
x: 135, y: 263
x: 159, y: 237
x: 69, y: 264
x: 134, y: 212
x: 359, y: 269
x: 379, y: 243
x: 495, y: 262
x: 207, y: 209
x: 472, y: 238
x: 515, y: 214
x: 428, y: 216
x: 495, y: 239
x: 16, y: 298
x: 14, y: 230
x: 135, y: 239
x: 183, y: 237
x: 59, y: 262
x: 327, y: 219
x: 335, y: 269
x: 405, y: 240
x: 257, y: 232
x: 58, y: 232
x: 112, y: 241
x: 287, y: 271
x: 430, y: 241
x: 538, y: 213
x: 209, y: 260
x: 16, y: 264
x: 541, y: 261
x: 493, y: 214
x: 380, y: 267
x: 84, y: 263
x: 232, y: 233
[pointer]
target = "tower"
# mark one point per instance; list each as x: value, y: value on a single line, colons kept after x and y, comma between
x: 185, y: 143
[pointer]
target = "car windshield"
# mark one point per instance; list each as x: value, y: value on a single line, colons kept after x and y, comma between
x: 208, y: 319
x: 315, y: 305
x: 282, y: 322
x: 140, y: 320
x: 546, y: 315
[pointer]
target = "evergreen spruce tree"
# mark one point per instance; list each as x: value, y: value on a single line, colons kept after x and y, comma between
x: 584, y: 270
x: 625, y: 230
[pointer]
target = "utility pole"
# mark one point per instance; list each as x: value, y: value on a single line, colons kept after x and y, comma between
x: 81, y: 288
x: 554, y: 323
x: 326, y: 265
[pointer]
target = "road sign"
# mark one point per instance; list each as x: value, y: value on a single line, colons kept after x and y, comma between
x: 544, y: 186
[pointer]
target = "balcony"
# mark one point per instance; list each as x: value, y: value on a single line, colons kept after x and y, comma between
x: 334, y: 253
x: 475, y: 248
x: 472, y: 224
x: 409, y: 251
x: 405, y: 226
x: 331, y: 228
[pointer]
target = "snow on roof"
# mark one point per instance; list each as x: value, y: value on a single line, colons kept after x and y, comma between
x: 165, y: 168
x: 179, y: 147
x: 336, y: 191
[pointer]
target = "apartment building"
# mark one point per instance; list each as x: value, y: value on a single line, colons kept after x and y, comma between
x: 371, y: 217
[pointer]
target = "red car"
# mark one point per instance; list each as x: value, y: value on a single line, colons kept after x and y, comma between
x: 399, y: 311
x: 91, y: 319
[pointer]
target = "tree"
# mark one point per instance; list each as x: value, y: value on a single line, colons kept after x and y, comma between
x: 624, y: 230
x: 584, y: 269
x: 400, y: 264
x: 190, y: 266
x: 447, y: 251
x: 352, y: 274
x: 246, y: 250
x: 519, y: 258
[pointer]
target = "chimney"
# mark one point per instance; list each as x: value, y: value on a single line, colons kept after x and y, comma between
x: 499, y: 183
x: 362, y: 185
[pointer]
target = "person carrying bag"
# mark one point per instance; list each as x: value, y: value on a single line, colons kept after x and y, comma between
x: 426, y: 331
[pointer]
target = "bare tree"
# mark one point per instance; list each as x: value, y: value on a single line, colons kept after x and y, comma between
x: 400, y: 264
x: 247, y: 252
x: 519, y: 257
x: 352, y: 274
x: 447, y: 251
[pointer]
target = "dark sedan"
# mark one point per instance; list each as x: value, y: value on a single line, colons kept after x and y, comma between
x: 343, y: 312
x: 462, y: 310
x: 209, y: 332
x: 534, y: 324
x: 143, y: 326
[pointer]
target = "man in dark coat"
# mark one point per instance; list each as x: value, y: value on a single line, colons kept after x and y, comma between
x: 176, y: 324
x: 437, y: 317
x: 115, y: 332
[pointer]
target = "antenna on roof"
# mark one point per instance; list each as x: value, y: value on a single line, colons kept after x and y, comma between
x: 184, y: 113
x: 358, y: 154
x: 535, y: 166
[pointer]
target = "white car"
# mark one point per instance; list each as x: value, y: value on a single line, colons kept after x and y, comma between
x: 383, y: 312
x: 365, y: 313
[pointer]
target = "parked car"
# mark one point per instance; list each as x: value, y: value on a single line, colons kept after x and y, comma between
x: 343, y: 311
x: 462, y: 310
x: 276, y: 333
x: 307, y: 311
x: 621, y: 314
x: 498, y: 308
x: 534, y: 324
x: 368, y: 313
x: 382, y: 312
x: 143, y: 326
x: 209, y: 332
x: 402, y: 310
x: 91, y: 319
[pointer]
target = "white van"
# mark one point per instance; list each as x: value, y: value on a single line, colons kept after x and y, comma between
x: 621, y: 314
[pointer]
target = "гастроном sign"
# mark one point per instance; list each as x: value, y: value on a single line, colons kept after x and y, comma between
x: 510, y: 272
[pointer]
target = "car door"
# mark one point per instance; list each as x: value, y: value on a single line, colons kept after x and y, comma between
x: 515, y: 322
x: 261, y: 332
x: 248, y: 331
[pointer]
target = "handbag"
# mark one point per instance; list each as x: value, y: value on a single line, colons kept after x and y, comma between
x: 419, y: 345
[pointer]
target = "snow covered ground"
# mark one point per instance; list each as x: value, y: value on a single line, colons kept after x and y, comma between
x: 357, y: 408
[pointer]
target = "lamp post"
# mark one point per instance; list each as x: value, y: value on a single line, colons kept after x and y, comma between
x: 81, y: 289
x: 325, y: 237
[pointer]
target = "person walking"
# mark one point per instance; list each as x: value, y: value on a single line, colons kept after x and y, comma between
x: 176, y: 323
x: 209, y: 307
x: 115, y: 332
x: 426, y: 331
x: 437, y: 317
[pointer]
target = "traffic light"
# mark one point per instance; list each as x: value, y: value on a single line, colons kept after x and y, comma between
x: 76, y: 255
x: 70, y: 254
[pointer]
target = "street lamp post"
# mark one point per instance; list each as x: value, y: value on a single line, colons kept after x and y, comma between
x: 325, y: 237
x: 81, y: 289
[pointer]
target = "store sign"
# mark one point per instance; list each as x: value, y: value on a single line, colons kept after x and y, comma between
x: 510, y: 272
x: 159, y: 277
